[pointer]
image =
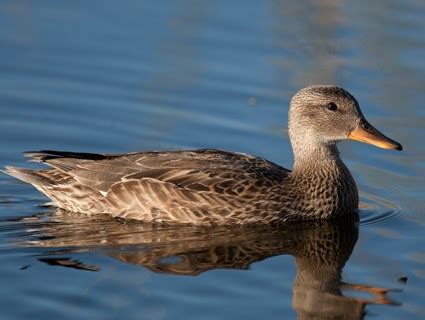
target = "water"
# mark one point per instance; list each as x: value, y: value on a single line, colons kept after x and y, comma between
x: 103, y: 76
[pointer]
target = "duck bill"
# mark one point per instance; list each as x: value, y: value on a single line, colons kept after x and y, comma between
x: 365, y: 132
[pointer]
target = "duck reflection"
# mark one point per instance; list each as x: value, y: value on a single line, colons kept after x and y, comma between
x: 320, y: 249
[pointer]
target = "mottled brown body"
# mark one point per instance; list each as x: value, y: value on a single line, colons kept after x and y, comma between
x: 200, y: 187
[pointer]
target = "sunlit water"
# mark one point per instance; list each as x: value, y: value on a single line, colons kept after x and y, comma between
x: 107, y: 76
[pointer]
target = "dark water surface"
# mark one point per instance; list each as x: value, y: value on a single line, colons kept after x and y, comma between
x: 118, y: 76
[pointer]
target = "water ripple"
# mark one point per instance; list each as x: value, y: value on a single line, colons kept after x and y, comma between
x: 375, y: 210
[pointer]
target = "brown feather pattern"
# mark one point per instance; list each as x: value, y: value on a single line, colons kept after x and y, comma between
x: 199, y: 186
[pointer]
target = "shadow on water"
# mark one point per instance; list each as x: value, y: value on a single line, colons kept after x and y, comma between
x: 320, y: 249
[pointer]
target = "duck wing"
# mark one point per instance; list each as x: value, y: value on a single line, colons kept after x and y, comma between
x: 205, y: 170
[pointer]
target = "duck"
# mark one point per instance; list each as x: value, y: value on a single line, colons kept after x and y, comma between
x: 217, y: 187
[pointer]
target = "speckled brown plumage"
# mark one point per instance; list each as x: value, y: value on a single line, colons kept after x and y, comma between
x: 214, y: 186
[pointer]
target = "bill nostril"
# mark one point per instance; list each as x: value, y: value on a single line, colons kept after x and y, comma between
x: 366, y: 126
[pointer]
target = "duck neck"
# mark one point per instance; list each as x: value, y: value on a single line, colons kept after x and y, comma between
x: 328, y: 188
x: 316, y: 156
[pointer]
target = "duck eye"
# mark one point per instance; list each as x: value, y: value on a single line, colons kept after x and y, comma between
x: 332, y: 106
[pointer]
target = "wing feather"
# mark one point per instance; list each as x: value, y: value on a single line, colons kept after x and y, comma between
x: 206, y: 170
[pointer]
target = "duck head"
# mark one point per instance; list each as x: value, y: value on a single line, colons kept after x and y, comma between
x: 321, y: 116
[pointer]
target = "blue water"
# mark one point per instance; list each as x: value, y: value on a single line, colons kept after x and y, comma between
x: 108, y: 76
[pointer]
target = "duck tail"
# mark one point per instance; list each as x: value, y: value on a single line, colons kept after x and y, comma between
x: 29, y: 176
